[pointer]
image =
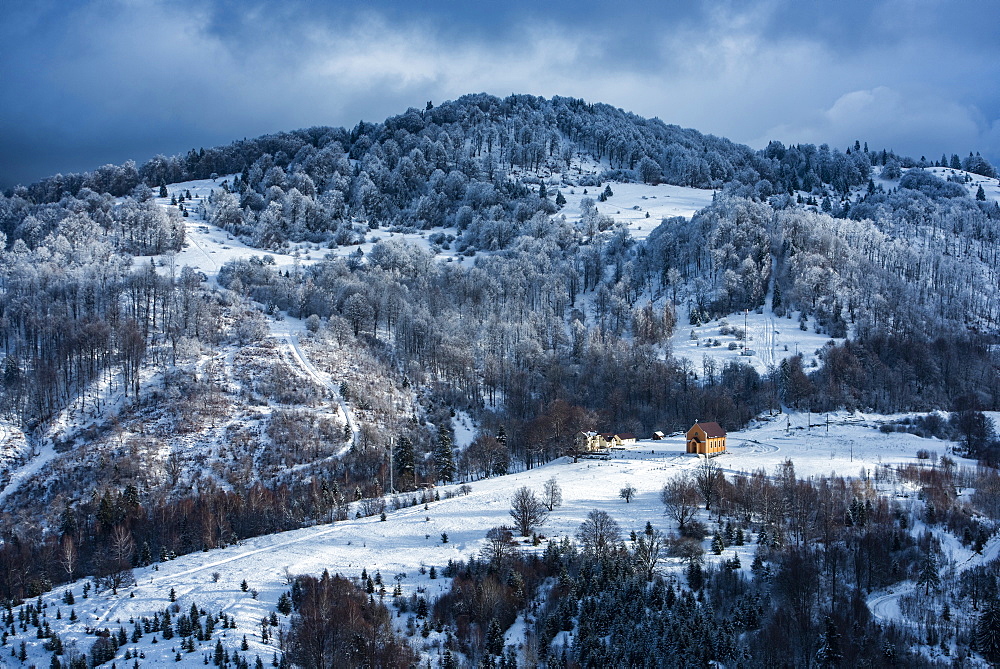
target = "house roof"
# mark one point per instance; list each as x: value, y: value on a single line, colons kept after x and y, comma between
x: 713, y: 430
x: 626, y: 435
x: 658, y: 433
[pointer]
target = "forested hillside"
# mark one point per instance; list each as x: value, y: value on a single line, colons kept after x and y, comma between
x: 178, y: 405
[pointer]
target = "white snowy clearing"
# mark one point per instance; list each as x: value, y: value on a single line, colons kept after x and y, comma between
x: 631, y: 203
x: 411, y: 539
x: 770, y: 338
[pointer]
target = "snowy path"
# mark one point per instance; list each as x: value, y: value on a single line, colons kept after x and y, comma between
x: 886, y: 607
x: 17, y: 478
x: 208, y: 247
x: 324, y: 379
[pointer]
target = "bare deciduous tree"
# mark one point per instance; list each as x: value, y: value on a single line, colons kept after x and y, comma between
x: 680, y: 497
x: 627, y: 493
x: 708, y: 477
x: 68, y: 556
x: 551, y: 494
x: 500, y: 544
x: 174, y: 467
x: 599, y: 533
x: 527, y: 511
x: 648, y: 551
x: 120, y: 567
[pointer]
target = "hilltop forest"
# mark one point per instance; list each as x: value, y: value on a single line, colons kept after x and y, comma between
x: 547, y: 326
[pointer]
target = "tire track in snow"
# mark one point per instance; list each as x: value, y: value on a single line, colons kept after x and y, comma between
x: 885, y: 607
x: 323, y: 379
x: 216, y: 563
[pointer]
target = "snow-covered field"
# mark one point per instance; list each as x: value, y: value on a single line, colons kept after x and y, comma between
x: 631, y: 203
x: 770, y: 337
x: 991, y: 187
x: 411, y: 538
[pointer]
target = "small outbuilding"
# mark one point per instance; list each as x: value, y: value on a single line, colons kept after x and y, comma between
x: 706, y: 439
x: 659, y: 436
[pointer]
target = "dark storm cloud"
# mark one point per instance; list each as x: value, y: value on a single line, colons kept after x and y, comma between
x: 86, y: 83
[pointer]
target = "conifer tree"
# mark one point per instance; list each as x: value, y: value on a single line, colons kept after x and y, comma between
x: 929, y: 577
x: 444, y: 456
x: 987, y: 632
x: 404, y: 460
x: 494, y: 638
x: 829, y: 653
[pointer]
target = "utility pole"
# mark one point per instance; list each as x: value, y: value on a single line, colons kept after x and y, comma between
x: 391, y: 488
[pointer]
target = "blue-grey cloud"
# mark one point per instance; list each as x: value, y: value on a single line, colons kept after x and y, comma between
x: 89, y: 82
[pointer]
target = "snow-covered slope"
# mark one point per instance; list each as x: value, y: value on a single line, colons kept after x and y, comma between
x: 411, y: 538
x: 771, y: 339
x: 631, y: 203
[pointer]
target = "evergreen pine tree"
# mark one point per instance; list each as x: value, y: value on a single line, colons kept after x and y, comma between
x: 929, y: 577
x: 444, y: 456
x: 494, y: 638
x: 987, y: 632
x: 695, y: 577
x: 981, y: 194
x: 829, y: 653
x: 403, y: 456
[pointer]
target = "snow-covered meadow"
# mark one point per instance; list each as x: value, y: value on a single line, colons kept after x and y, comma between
x: 771, y: 339
x: 411, y: 539
x: 642, y: 207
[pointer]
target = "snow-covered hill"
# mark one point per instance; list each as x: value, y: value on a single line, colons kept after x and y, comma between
x: 411, y: 539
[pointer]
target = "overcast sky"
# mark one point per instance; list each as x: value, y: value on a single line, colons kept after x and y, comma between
x: 83, y: 83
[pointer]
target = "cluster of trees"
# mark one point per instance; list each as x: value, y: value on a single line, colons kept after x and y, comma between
x: 74, y: 307
x: 820, y: 546
x: 335, y: 624
x: 193, y: 628
x: 505, y: 331
x: 562, y: 327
